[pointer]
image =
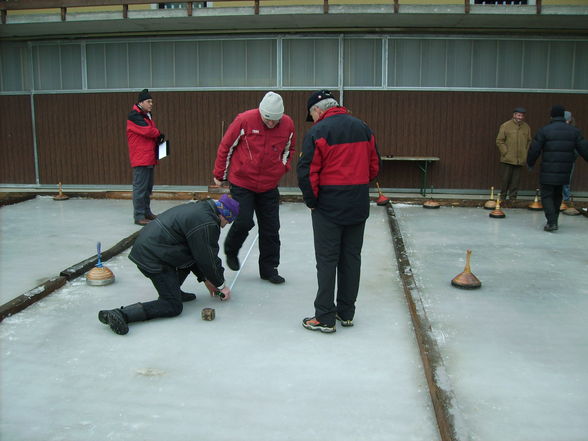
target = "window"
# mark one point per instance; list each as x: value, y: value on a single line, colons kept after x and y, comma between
x: 14, y: 67
x: 362, y: 65
x: 310, y: 63
x: 57, y: 67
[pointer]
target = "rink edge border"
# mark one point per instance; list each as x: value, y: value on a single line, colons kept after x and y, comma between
x: 450, y: 422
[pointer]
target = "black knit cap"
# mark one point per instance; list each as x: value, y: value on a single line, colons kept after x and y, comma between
x: 144, y: 95
x: 557, y: 111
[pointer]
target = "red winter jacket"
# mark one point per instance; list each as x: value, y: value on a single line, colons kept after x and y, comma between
x: 253, y: 156
x: 142, y: 137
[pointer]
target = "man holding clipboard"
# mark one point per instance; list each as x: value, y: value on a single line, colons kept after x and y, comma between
x: 145, y: 146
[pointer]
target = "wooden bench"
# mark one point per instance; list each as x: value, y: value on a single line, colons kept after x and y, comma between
x: 422, y: 162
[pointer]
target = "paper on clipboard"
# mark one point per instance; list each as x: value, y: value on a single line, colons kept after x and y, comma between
x: 163, y: 150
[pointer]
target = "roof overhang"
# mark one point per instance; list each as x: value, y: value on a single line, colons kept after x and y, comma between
x: 302, y: 19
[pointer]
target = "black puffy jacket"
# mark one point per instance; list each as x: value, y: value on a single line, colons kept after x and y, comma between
x: 181, y: 237
x: 557, y: 144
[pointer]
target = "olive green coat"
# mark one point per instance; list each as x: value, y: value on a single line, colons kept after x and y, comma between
x: 513, y: 141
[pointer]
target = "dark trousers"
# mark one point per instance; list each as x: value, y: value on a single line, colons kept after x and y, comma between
x: 510, y: 179
x: 168, y: 284
x: 338, y: 258
x: 266, y: 206
x: 551, y: 197
x: 142, y: 189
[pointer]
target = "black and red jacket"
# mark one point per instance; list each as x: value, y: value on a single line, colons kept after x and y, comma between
x: 339, y: 158
x: 142, y: 137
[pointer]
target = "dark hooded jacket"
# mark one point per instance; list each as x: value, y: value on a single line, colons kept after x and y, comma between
x: 181, y: 237
x: 557, y: 144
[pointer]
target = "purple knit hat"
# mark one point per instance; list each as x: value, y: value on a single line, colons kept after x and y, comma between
x: 228, y: 207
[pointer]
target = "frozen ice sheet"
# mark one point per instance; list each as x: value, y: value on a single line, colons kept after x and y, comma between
x: 515, y: 349
x: 41, y: 237
x: 254, y: 373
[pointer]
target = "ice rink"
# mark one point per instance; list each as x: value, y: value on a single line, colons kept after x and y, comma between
x: 254, y: 373
x: 515, y: 350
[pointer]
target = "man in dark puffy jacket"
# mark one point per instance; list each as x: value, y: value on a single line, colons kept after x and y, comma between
x: 557, y: 144
x: 339, y: 158
x: 180, y: 240
x: 143, y: 138
x: 254, y: 154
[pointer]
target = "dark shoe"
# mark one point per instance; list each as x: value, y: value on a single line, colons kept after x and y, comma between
x: 142, y: 222
x: 550, y: 227
x: 275, y: 278
x: 314, y: 325
x: 188, y: 296
x: 345, y: 323
x: 233, y: 263
x: 151, y: 216
x: 115, y: 319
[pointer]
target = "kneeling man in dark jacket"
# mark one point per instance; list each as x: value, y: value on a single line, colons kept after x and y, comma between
x: 180, y: 240
x: 557, y: 144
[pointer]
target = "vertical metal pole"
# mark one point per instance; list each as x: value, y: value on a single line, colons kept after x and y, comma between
x: 340, y: 76
x: 384, y: 80
x: 84, y: 70
x: 33, y: 119
x: 279, y: 63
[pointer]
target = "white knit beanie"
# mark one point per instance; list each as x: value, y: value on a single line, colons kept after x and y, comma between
x: 271, y: 106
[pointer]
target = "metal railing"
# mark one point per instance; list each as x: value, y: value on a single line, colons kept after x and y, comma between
x: 63, y: 5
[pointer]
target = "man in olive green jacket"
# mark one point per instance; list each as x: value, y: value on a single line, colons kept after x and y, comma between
x: 513, y: 140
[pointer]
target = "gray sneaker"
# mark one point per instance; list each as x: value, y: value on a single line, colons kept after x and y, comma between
x: 345, y: 323
x: 314, y: 325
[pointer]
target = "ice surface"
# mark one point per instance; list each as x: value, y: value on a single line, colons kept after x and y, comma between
x: 42, y: 237
x: 516, y: 349
x: 251, y: 374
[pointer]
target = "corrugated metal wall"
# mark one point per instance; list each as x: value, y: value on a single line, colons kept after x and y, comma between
x: 81, y: 137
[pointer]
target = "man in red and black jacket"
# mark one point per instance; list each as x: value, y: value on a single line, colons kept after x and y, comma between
x: 143, y: 138
x: 339, y: 158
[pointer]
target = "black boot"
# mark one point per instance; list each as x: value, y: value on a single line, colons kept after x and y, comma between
x: 118, y: 319
x: 188, y: 296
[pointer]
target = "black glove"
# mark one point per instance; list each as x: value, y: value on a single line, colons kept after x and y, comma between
x: 161, y: 138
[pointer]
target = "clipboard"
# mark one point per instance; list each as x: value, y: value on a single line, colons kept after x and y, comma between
x: 163, y: 150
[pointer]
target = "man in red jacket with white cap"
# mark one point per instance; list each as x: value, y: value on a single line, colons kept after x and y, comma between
x: 254, y: 154
x: 143, y: 138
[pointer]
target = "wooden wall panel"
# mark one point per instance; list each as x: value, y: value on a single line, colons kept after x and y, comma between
x: 458, y: 127
x: 82, y: 141
x: 17, y: 156
x: 81, y: 138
